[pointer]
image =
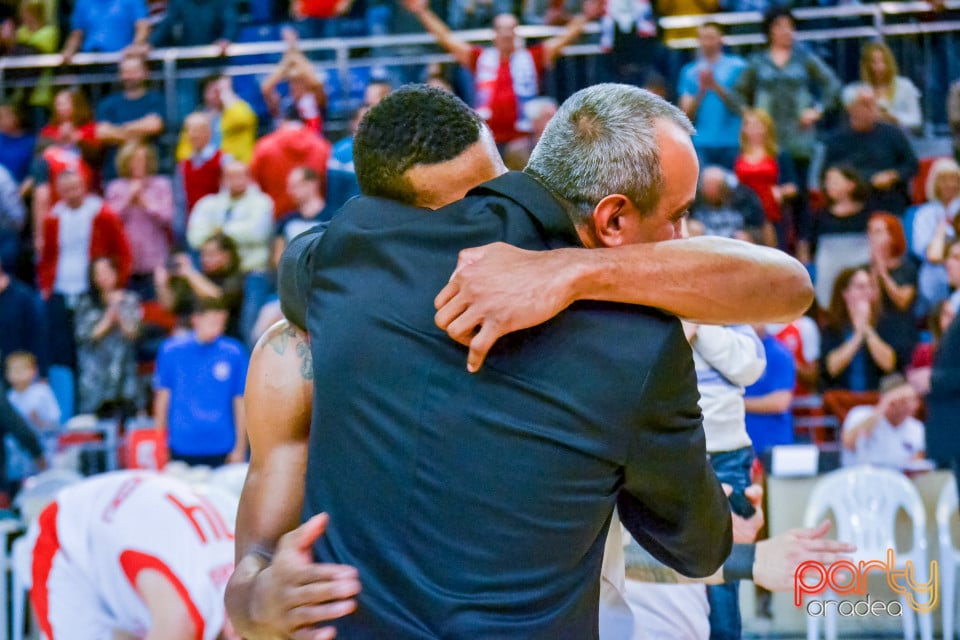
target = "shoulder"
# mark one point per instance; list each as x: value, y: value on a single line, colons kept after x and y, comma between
x: 904, y: 86
x: 232, y: 347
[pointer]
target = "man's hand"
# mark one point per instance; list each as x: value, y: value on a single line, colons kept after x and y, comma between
x: 497, y: 289
x: 777, y: 559
x: 294, y: 593
x: 809, y: 117
x: 745, y: 529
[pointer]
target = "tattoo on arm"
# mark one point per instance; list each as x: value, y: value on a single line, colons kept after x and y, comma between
x: 281, y: 341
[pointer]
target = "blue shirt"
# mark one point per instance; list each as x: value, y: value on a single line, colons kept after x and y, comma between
x: 107, y: 25
x: 717, y: 126
x: 118, y: 109
x: 16, y: 154
x: 203, y: 380
x: 769, y: 430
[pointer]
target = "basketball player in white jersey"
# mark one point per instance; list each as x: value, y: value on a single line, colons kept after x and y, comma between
x: 131, y: 554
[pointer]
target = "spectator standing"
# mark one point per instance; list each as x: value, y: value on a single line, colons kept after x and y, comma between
x: 933, y: 225
x: 953, y: 116
x: 276, y: 154
x: 304, y: 187
x: 80, y: 229
x: 219, y: 277
x: 34, y: 36
x: 802, y: 339
x: 768, y: 400
x: 839, y: 231
x: 506, y: 75
x: 783, y: 81
x: 202, y: 171
x: 106, y: 26
x: 190, y: 23
x: 233, y: 123
x: 858, y: 344
x: 144, y: 202
x: 629, y: 36
x: 134, y: 113
x: 897, y: 97
x: 726, y: 208
x: 22, y: 320
x: 306, y: 96
x: 16, y: 142
x: 761, y: 167
x: 203, y: 428
x: 880, y: 151
x: 887, y: 434
x: 242, y: 212
x: 107, y: 327
x: 895, y: 274
x: 705, y: 94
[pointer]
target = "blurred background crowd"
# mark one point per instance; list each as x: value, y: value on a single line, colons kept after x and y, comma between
x: 141, y: 220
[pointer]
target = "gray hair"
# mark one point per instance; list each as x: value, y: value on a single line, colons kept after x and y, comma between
x: 603, y: 141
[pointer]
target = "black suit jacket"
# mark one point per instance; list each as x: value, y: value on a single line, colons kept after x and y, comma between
x: 477, y: 505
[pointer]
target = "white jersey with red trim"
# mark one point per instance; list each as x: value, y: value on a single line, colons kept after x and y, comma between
x: 115, y: 525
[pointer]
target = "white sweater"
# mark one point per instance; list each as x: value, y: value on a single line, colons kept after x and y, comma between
x: 727, y: 359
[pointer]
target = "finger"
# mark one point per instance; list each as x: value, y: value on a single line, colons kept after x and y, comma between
x: 311, y: 615
x: 453, y: 309
x: 727, y: 489
x: 323, y: 633
x: 463, y: 329
x: 480, y: 346
x: 754, y: 493
x: 446, y: 294
x: 302, y: 538
x: 816, y: 532
x: 323, y: 592
x: 816, y: 546
x: 318, y: 572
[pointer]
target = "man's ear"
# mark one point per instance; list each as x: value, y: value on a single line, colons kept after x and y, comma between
x: 612, y: 218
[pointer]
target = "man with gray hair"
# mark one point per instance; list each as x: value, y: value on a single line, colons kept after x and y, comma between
x: 477, y: 505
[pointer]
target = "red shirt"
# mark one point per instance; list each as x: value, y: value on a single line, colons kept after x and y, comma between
x: 278, y: 153
x: 318, y: 8
x: 503, y: 103
x: 762, y: 177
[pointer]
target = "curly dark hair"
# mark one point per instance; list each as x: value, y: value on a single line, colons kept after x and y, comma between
x: 416, y: 124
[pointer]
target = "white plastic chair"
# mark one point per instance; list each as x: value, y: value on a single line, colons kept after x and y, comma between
x: 230, y: 477
x: 949, y: 556
x: 865, y: 501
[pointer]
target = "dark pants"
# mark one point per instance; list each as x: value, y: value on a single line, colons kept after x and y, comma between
x: 213, y: 461
x: 733, y: 468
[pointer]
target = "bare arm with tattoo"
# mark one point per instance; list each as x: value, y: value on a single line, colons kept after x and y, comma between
x: 277, y: 590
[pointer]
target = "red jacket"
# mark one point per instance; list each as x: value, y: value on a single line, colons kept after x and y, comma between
x: 203, y: 180
x: 108, y: 239
x: 277, y: 154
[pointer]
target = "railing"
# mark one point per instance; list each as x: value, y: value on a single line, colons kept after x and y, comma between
x: 883, y: 20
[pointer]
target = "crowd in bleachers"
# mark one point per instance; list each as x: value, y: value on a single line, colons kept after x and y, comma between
x: 122, y: 225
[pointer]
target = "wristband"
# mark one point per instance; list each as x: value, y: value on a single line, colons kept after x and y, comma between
x: 739, y: 564
x: 260, y: 551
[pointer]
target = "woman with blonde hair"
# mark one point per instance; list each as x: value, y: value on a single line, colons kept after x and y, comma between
x: 933, y: 225
x: 761, y: 167
x: 144, y: 202
x: 897, y: 97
